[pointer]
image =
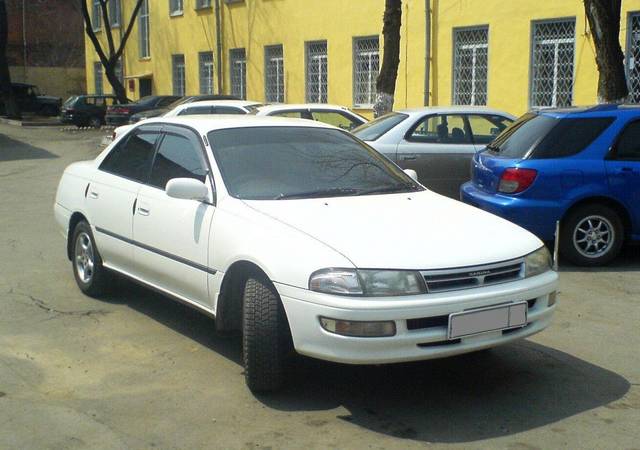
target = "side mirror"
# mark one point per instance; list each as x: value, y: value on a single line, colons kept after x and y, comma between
x: 412, y: 173
x: 187, y: 189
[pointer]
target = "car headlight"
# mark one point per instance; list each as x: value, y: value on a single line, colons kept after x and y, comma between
x: 374, y: 283
x: 537, y: 262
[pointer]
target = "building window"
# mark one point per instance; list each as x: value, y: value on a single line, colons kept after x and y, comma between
x: 143, y: 30
x: 552, y: 54
x: 470, y: 63
x: 317, y: 72
x: 203, y: 4
x: 114, y: 13
x: 633, y: 57
x: 96, y: 15
x: 119, y: 71
x: 366, y: 65
x: 175, y: 7
x: 206, y: 72
x: 177, y: 64
x: 238, y: 68
x: 97, y: 77
x: 274, y: 74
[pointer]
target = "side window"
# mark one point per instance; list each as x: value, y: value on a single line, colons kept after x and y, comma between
x: 195, y: 110
x: 177, y: 157
x: 292, y: 114
x: 227, y: 110
x: 336, y: 119
x: 486, y: 128
x: 90, y: 101
x: 99, y: 101
x: 110, y: 101
x: 441, y: 129
x: 628, y: 146
x: 132, y: 158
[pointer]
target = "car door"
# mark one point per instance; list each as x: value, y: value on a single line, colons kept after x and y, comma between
x: 111, y: 195
x: 172, y: 234
x: 438, y: 147
x: 336, y: 118
x: 623, y: 171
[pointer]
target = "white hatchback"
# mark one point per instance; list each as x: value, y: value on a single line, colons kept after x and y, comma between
x: 303, y: 238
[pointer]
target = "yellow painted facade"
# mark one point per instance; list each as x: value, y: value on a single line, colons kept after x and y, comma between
x: 254, y: 24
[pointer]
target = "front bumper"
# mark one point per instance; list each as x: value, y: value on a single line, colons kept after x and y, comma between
x: 304, y: 309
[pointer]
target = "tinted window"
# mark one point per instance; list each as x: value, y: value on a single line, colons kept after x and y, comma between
x: 485, y: 128
x: 177, y: 157
x: 628, y: 146
x: 195, y: 110
x: 292, y: 114
x: 376, y: 128
x: 441, y: 129
x: 266, y: 163
x: 227, y: 110
x: 518, y: 139
x: 166, y: 101
x: 337, y: 119
x: 132, y: 158
x: 570, y: 136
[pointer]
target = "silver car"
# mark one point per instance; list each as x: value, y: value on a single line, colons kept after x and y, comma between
x: 437, y: 142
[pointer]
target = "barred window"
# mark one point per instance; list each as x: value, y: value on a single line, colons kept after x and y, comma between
x: 203, y: 4
x: 316, y: 72
x: 552, y: 54
x: 114, y: 13
x: 119, y: 72
x: 238, y: 69
x: 97, y: 77
x: 206, y: 72
x: 366, y: 65
x: 96, y: 15
x: 470, y: 65
x: 274, y: 74
x: 633, y: 57
x: 175, y: 7
x: 143, y: 30
x: 177, y: 63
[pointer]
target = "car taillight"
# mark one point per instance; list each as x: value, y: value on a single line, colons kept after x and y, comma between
x: 113, y: 136
x: 120, y: 110
x: 516, y: 180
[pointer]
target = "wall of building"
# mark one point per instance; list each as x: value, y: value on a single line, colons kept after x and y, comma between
x: 60, y: 82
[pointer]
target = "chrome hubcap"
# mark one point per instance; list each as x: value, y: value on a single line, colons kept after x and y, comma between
x: 593, y: 236
x: 84, y: 257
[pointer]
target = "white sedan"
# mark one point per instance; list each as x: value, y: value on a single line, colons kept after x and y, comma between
x: 288, y: 230
x: 336, y: 115
x: 437, y: 142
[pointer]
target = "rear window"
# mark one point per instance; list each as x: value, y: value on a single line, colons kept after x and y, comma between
x: 536, y: 136
x: 376, y: 128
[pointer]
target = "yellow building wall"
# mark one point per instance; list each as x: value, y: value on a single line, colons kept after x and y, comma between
x: 253, y: 24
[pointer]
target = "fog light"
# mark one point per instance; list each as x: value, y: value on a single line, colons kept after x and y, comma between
x: 359, y: 329
x: 552, y: 298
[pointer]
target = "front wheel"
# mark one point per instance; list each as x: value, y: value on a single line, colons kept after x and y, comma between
x: 266, y: 338
x: 592, y: 235
x: 88, y: 271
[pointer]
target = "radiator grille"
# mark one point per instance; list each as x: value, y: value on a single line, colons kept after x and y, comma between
x: 471, y: 277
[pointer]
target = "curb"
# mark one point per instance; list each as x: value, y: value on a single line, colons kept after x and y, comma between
x: 23, y: 123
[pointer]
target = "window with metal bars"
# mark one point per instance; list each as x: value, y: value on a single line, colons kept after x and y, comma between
x: 206, y: 72
x: 114, y: 13
x: 366, y: 65
x: 97, y: 78
x: 143, y: 30
x: 470, y: 66
x: 178, y: 71
x: 203, y: 4
x: 175, y: 7
x: 96, y: 15
x: 274, y: 74
x: 633, y: 57
x: 119, y: 71
x: 316, y: 72
x: 238, y: 69
x: 552, y: 55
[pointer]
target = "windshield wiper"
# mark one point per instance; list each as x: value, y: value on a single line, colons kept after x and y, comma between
x: 331, y: 192
x: 493, y: 148
x: 403, y: 187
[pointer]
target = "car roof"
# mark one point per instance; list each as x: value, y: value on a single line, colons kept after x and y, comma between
x: 605, y: 109
x: 205, y: 123
x: 455, y: 109
x: 289, y: 106
x: 236, y: 103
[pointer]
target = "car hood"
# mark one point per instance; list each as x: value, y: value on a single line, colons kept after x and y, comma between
x: 417, y: 230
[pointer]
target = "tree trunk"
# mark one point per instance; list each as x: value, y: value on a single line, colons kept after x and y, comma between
x: 116, y: 85
x: 604, y: 22
x: 11, y: 109
x: 386, y: 82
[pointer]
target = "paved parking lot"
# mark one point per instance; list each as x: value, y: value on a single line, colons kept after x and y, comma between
x: 136, y: 370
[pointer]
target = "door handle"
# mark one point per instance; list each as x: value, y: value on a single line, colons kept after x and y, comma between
x: 143, y: 211
x: 409, y: 158
x: 94, y: 195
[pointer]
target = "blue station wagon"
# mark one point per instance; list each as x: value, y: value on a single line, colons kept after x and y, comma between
x: 579, y: 166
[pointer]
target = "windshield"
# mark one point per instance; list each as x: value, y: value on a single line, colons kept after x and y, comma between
x: 70, y: 100
x: 271, y: 163
x: 376, y: 128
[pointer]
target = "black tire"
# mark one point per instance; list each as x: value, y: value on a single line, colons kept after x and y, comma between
x: 95, y: 122
x: 95, y: 283
x: 579, y: 219
x: 266, y: 338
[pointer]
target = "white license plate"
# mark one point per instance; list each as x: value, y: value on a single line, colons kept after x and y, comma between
x: 494, y: 318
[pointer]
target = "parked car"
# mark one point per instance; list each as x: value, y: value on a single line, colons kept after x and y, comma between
x: 87, y: 110
x: 29, y: 99
x: 135, y: 118
x: 437, y: 142
x: 335, y: 115
x: 579, y: 166
x: 279, y: 228
x: 120, y: 114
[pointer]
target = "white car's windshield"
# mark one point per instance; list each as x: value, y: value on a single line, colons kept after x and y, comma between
x: 267, y: 163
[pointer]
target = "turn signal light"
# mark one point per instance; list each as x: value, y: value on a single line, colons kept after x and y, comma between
x: 516, y: 180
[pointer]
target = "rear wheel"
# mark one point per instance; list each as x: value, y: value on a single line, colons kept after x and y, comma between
x: 266, y: 338
x: 88, y: 271
x: 592, y: 235
x: 95, y: 122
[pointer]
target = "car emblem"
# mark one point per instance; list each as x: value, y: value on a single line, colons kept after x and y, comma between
x: 479, y: 273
